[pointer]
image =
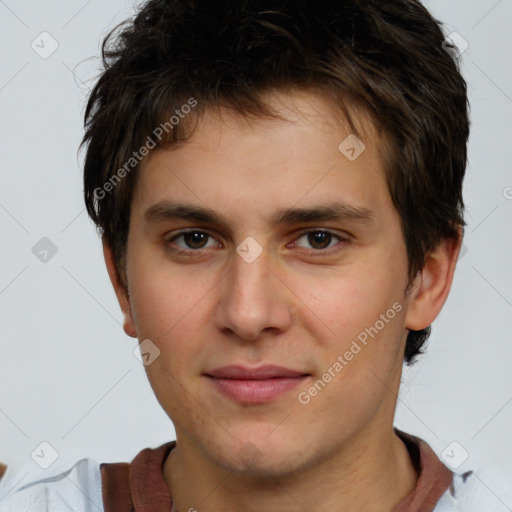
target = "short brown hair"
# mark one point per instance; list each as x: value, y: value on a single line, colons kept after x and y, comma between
x: 390, y: 58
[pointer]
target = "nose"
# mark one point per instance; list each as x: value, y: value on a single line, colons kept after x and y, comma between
x: 253, y: 299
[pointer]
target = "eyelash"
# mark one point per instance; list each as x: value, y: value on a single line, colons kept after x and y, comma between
x: 316, y: 252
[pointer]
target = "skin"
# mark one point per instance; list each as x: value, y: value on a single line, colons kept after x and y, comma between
x: 297, y: 305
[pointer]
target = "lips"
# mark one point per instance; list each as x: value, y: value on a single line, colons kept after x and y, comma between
x: 255, y: 385
x: 263, y: 372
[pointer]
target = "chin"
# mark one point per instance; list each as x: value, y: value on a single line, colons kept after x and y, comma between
x: 260, y: 458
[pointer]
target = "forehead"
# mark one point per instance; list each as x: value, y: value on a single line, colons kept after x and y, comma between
x: 308, y: 155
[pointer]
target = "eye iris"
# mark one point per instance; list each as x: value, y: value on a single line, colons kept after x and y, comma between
x: 195, y: 239
x: 319, y: 237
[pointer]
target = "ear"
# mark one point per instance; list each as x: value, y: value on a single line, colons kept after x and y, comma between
x: 432, y: 285
x: 121, y: 293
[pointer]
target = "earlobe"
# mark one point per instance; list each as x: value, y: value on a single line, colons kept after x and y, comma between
x: 123, y: 297
x: 432, y: 285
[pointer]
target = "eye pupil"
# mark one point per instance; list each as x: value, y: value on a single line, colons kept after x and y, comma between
x: 319, y: 237
x: 195, y: 239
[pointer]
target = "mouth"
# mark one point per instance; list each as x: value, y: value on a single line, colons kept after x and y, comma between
x: 255, y: 385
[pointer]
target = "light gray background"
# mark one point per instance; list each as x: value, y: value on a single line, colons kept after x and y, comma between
x: 68, y: 375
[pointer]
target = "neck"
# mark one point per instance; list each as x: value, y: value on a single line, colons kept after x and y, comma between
x: 372, y: 473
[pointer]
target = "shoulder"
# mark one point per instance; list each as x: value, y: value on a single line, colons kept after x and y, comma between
x: 484, y: 488
x: 78, y: 488
x: 89, y: 486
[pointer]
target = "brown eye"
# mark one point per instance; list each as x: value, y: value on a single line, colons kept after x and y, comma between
x: 195, y: 239
x: 191, y: 241
x: 319, y: 239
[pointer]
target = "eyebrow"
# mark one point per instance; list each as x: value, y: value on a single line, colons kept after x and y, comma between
x: 337, y: 211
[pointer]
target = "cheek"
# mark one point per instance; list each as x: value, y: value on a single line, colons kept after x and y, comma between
x: 358, y: 314
x: 358, y: 367
x: 168, y: 315
x: 164, y: 296
x: 341, y: 305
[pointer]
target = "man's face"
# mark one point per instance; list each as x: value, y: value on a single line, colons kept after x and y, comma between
x: 265, y: 287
